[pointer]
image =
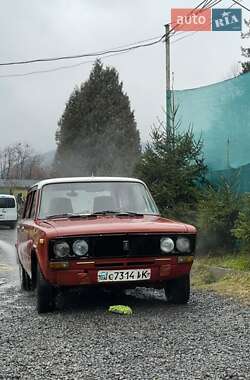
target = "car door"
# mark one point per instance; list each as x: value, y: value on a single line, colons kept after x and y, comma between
x: 25, y: 231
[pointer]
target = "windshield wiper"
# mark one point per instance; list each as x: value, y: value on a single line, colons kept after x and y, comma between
x: 117, y: 213
x: 95, y: 214
x: 69, y: 215
x: 129, y: 213
x: 57, y: 216
x: 106, y: 212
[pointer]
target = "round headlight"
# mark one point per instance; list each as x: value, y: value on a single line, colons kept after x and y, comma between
x: 167, y: 245
x: 61, y: 249
x: 80, y: 248
x: 183, y: 244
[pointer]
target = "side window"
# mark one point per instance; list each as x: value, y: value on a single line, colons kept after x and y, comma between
x: 27, y: 206
x: 33, y: 205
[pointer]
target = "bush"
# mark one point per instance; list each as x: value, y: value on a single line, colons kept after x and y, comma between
x: 183, y: 212
x: 216, y: 216
x: 241, y: 229
x: 172, y: 165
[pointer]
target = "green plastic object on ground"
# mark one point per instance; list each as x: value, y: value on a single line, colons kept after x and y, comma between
x: 121, y: 309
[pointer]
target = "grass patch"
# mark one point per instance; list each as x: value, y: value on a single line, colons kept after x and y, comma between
x: 235, y: 284
x: 236, y: 261
x: 201, y: 276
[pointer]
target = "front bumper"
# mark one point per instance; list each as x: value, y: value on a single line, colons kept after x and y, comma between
x: 79, y: 273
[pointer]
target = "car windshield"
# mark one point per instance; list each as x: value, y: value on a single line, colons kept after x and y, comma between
x: 96, y: 197
x: 6, y: 202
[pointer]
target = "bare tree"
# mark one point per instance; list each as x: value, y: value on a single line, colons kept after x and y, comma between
x: 8, y: 159
x: 18, y: 161
x: 23, y: 153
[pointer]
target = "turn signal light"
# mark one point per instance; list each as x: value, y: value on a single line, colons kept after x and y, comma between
x: 185, y: 259
x: 59, y: 265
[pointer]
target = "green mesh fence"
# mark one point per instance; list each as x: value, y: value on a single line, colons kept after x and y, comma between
x: 220, y: 114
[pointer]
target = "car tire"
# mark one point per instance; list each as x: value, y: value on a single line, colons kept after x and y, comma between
x: 45, y: 294
x: 25, y: 281
x: 178, y: 290
x: 12, y: 225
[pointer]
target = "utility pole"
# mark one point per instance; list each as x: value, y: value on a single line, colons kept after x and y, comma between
x: 168, y: 83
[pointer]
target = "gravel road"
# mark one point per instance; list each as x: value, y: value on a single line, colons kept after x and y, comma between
x: 207, y: 339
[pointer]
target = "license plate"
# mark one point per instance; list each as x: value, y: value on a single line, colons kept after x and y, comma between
x: 124, y: 275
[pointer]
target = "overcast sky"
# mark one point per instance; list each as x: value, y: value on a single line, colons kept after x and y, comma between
x: 32, y: 105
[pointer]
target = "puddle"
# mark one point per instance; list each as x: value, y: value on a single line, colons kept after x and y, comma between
x: 8, y: 248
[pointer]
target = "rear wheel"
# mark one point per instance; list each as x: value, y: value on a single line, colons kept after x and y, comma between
x: 25, y: 281
x: 12, y: 225
x: 178, y: 290
x: 45, y: 294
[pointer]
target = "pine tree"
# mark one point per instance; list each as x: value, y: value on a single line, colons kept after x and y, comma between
x: 246, y: 51
x: 173, y: 167
x: 97, y: 133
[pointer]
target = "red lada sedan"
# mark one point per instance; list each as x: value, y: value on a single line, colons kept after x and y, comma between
x: 103, y: 232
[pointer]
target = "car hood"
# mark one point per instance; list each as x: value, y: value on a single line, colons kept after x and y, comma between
x: 114, y: 225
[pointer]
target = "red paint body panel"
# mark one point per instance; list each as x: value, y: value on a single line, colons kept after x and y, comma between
x: 115, y: 225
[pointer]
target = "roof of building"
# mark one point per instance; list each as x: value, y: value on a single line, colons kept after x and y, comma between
x: 24, y: 183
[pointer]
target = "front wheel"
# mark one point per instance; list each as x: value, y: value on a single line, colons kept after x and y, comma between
x: 178, y: 290
x: 45, y: 294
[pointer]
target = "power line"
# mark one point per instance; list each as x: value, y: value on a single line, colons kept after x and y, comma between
x: 58, y: 68
x: 100, y: 53
x: 16, y: 75
x: 241, y: 5
x: 96, y: 54
x: 123, y: 49
x: 187, y: 36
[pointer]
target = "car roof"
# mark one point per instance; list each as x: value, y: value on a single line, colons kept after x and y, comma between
x: 42, y: 183
x: 7, y: 196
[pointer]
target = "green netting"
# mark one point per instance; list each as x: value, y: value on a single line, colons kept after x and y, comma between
x: 220, y: 113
